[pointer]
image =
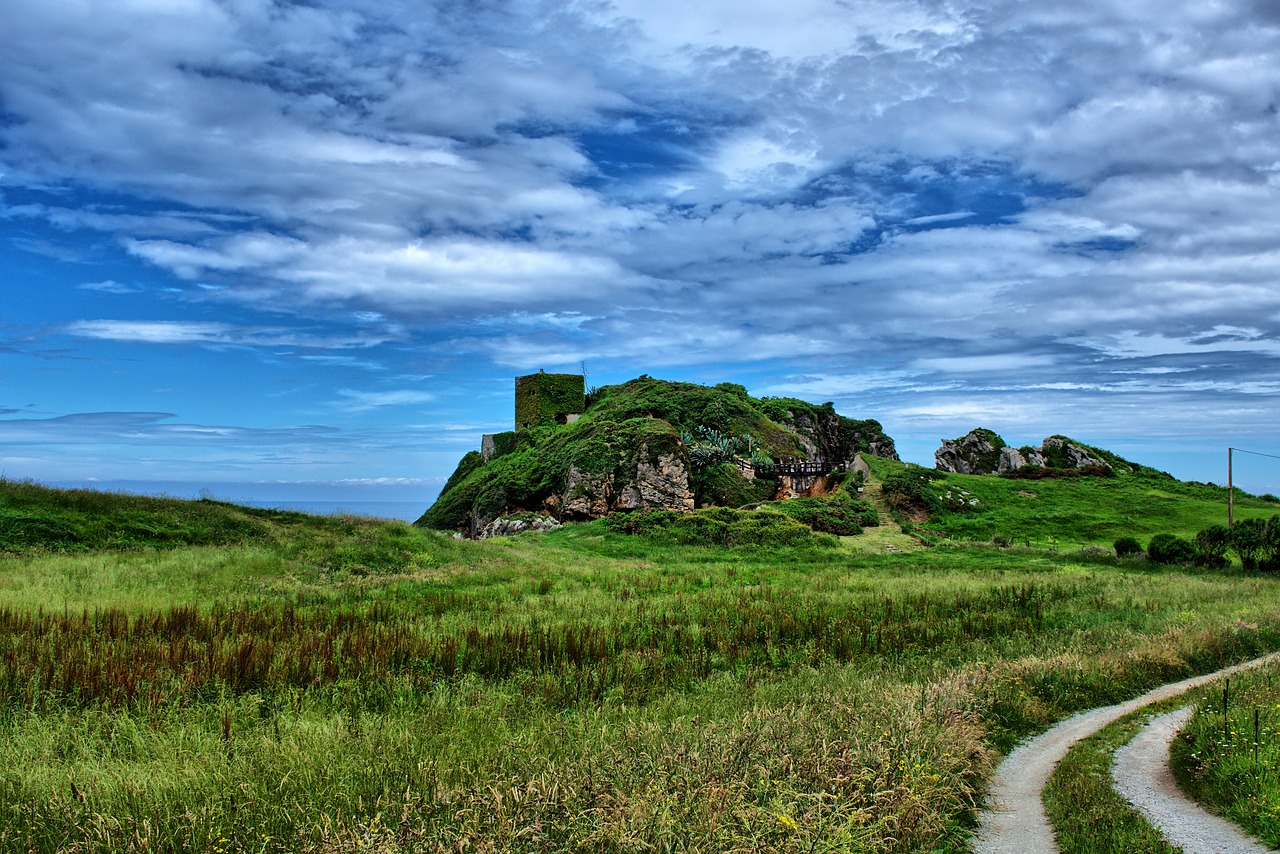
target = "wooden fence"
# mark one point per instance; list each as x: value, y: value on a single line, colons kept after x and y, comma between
x: 793, y: 468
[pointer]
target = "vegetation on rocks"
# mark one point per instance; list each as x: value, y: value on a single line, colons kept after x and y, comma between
x: 583, y: 470
x: 1138, y: 502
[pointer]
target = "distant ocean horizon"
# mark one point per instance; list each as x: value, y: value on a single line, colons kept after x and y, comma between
x: 405, y: 511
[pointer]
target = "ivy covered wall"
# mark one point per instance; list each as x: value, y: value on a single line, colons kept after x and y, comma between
x: 543, y: 396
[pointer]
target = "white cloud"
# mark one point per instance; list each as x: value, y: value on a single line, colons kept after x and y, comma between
x: 110, y: 287
x: 888, y: 198
x: 362, y: 401
x: 209, y: 333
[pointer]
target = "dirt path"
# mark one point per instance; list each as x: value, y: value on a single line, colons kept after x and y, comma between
x: 1014, y: 820
x: 1141, y: 774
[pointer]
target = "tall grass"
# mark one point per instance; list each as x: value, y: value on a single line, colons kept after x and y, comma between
x: 1228, y: 755
x: 353, y: 685
x: 564, y: 692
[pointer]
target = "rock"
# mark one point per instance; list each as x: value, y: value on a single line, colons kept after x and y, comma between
x: 884, y: 449
x: 586, y: 495
x: 977, y: 452
x: 505, y: 527
x: 661, y: 484
x: 1078, y: 457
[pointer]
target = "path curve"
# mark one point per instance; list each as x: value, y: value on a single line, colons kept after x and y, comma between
x: 1014, y: 820
x: 1141, y: 774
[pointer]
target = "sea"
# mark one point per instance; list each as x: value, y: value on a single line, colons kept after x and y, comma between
x: 405, y: 511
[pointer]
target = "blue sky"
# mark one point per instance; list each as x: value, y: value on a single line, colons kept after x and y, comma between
x: 281, y: 250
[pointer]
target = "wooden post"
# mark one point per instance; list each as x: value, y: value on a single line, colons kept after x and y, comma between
x: 1231, y: 492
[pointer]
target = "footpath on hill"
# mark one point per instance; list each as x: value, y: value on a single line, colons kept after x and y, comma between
x: 887, y: 537
x: 1014, y: 820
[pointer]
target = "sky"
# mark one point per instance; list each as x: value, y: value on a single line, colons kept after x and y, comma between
x: 298, y: 250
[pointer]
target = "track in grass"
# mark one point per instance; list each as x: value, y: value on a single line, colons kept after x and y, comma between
x: 1014, y: 820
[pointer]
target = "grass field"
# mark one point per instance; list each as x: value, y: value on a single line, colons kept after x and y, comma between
x: 294, y: 683
x: 1075, y: 512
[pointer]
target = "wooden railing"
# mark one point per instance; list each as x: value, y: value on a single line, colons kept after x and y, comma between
x: 793, y: 468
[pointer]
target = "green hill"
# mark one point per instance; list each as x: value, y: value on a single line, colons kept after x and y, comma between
x: 1071, y: 511
x: 36, y: 520
x: 648, y: 445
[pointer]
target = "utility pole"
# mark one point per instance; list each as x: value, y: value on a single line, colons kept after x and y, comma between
x: 1231, y: 493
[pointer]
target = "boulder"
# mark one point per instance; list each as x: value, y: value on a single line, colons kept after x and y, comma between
x: 1012, y: 459
x: 1061, y: 449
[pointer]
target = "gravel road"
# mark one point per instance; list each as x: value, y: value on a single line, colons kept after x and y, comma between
x: 1141, y: 773
x: 1014, y: 820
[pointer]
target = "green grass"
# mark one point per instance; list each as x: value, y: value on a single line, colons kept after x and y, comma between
x: 1227, y: 765
x: 348, y: 684
x: 1076, y: 512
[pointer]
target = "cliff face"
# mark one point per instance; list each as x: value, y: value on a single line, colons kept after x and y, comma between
x: 647, y: 444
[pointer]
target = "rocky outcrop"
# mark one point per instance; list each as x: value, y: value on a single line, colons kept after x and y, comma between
x: 830, y: 436
x: 662, y: 483
x: 984, y: 452
x: 1012, y: 459
x: 977, y: 452
x: 1078, y: 457
x: 648, y: 444
x: 587, y: 495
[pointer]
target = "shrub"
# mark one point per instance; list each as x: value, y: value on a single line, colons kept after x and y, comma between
x: 1127, y: 547
x: 910, y: 491
x: 723, y: 485
x: 1211, y: 546
x: 1170, y: 549
x: 837, y: 514
x: 718, y: 526
x: 1245, y: 541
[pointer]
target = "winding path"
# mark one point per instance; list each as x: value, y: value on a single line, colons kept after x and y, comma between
x: 1014, y: 821
x: 1141, y: 774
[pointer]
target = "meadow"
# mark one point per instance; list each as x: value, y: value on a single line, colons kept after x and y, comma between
x: 298, y: 683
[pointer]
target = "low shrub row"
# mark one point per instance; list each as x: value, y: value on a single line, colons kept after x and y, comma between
x: 1254, y: 542
x: 718, y: 526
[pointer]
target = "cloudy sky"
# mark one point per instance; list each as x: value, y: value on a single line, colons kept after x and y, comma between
x: 299, y: 250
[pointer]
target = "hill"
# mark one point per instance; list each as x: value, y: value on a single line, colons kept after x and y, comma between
x: 1059, y: 507
x: 40, y: 520
x: 654, y: 445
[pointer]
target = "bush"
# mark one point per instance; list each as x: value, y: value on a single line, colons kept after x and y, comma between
x: 1170, y: 549
x: 723, y: 485
x: 910, y: 490
x: 838, y: 514
x: 718, y: 526
x: 1127, y: 547
x: 1211, y: 546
